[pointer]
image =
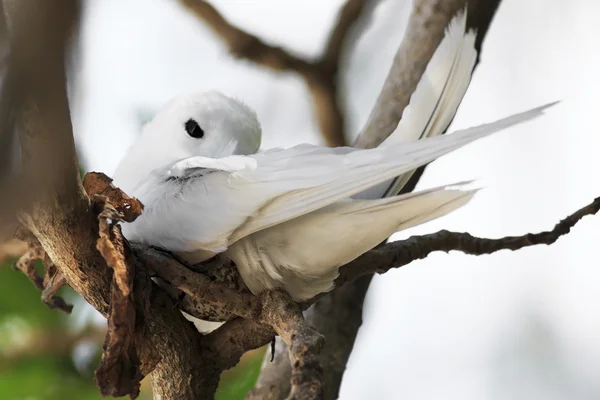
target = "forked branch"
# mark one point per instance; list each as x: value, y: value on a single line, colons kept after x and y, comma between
x: 320, y: 75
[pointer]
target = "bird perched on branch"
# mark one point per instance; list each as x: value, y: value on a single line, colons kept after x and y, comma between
x: 287, y: 217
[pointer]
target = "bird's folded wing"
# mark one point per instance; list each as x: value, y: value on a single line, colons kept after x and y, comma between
x: 317, y: 177
x: 436, y: 98
x: 189, y: 166
x: 236, y: 196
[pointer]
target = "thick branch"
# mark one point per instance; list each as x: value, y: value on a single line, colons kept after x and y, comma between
x: 304, y: 343
x: 204, y: 299
x: 61, y: 217
x: 236, y: 337
x: 278, y: 315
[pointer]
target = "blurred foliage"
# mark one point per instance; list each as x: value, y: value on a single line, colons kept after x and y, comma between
x: 236, y: 382
x: 48, y: 355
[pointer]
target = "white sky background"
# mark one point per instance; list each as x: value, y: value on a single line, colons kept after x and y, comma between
x: 519, y: 325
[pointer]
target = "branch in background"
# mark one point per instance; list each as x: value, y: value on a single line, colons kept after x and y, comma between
x: 339, y: 315
x: 15, y: 192
x: 6, y: 103
x: 320, y: 75
x: 423, y: 35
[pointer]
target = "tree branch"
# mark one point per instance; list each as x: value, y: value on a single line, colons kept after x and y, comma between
x: 320, y: 75
x: 204, y: 299
x: 304, y: 343
x: 275, y: 313
x: 398, y: 254
x: 347, y: 16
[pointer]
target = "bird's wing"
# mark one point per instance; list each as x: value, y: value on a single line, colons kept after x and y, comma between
x: 436, y: 98
x: 321, y: 176
x: 278, y: 256
x: 213, y: 203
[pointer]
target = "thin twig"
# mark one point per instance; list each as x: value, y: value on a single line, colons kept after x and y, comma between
x: 50, y: 283
x: 53, y: 282
x: 26, y: 264
x: 400, y: 253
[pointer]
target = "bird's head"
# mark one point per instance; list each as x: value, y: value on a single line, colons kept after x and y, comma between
x: 207, y: 124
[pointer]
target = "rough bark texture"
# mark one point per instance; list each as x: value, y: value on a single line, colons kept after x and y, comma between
x: 424, y: 33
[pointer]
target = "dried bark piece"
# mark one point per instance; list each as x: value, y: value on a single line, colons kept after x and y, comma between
x: 121, y: 370
x: 97, y: 183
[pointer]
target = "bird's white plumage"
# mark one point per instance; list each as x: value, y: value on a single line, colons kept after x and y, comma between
x: 286, y: 216
x: 201, y: 206
x: 339, y: 233
x: 436, y: 98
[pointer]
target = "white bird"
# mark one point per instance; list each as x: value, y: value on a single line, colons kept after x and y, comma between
x: 284, y: 216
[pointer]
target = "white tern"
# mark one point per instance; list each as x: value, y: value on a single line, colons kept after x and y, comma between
x: 286, y: 217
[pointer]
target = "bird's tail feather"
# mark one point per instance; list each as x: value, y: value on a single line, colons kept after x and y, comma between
x: 416, y: 208
x: 436, y: 98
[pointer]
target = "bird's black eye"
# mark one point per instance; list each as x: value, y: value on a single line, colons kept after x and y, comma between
x: 193, y: 129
